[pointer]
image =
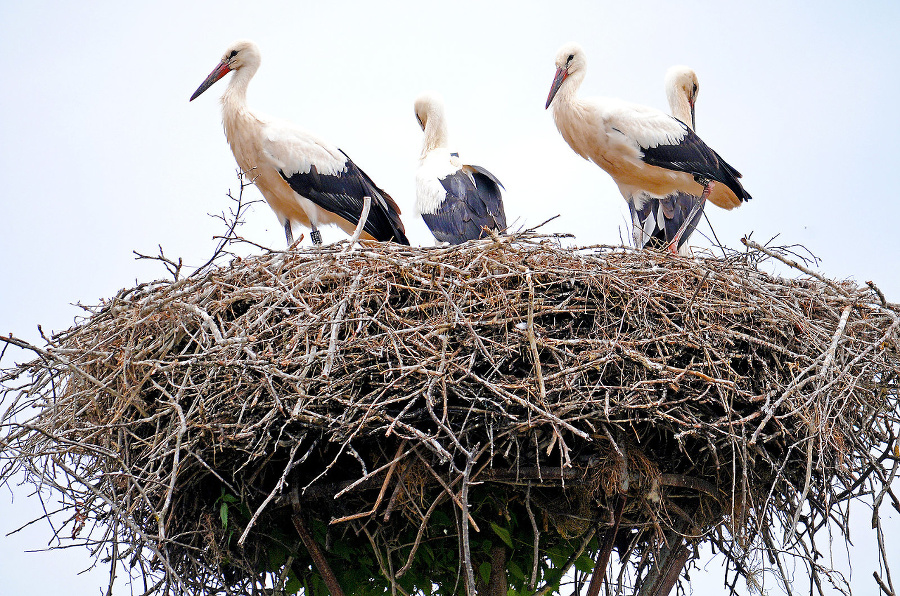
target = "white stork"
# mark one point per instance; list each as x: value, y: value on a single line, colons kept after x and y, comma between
x: 304, y: 179
x: 669, y: 222
x: 647, y: 152
x: 458, y: 202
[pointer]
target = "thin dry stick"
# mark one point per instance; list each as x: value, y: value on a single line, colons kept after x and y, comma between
x: 884, y: 587
x: 570, y: 561
x: 535, y: 553
x: 791, y: 263
x: 385, y: 571
x: 456, y: 499
x: 363, y: 218
x: 390, y: 466
x: 533, y: 342
x: 464, y: 534
x: 811, y: 436
x: 65, y: 362
x: 838, y: 333
x: 278, y: 486
x: 336, y: 324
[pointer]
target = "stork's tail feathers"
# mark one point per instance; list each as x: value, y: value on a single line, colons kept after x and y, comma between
x: 730, y: 179
x: 392, y: 213
x: 387, y: 226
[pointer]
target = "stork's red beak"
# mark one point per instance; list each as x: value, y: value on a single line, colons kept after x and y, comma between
x: 561, y: 74
x: 693, y: 118
x: 220, y: 71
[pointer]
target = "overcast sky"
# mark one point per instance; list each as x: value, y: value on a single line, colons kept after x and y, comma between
x: 101, y: 153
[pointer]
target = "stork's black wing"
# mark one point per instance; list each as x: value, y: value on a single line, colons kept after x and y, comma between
x: 472, y: 204
x: 344, y: 194
x: 693, y: 156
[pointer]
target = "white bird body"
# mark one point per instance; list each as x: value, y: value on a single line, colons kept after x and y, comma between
x: 434, y: 166
x: 615, y: 134
x: 304, y: 179
x: 643, y: 149
x: 457, y: 201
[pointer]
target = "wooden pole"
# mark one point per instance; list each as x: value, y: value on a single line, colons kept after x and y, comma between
x: 331, y: 582
x: 606, y: 548
x: 671, y: 561
x: 498, y: 584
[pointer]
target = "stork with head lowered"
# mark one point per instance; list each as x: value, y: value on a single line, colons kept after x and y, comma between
x: 459, y: 202
x: 669, y: 222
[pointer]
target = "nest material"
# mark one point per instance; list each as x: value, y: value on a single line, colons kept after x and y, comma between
x: 428, y: 406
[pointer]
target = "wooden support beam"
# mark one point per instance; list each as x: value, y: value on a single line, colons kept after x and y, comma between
x: 678, y: 558
x: 609, y: 539
x: 670, y: 562
x: 331, y: 582
x: 498, y: 584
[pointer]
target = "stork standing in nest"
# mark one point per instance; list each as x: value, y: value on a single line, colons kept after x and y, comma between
x: 458, y: 202
x: 647, y: 152
x: 304, y: 179
x: 669, y: 222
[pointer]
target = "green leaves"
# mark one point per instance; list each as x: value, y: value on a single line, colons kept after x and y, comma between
x: 584, y: 563
x: 223, y: 514
x: 503, y: 533
x: 293, y: 584
x: 224, y: 501
x: 516, y: 572
x: 436, y: 566
x: 484, y: 570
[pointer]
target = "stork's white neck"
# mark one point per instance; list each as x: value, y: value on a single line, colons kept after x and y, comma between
x: 569, y: 114
x: 679, y: 105
x: 242, y: 126
x: 435, y: 131
x: 237, y: 118
x: 567, y: 95
x: 235, y: 96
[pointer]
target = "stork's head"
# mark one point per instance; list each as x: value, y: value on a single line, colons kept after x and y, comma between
x: 428, y: 105
x: 241, y: 54
x: 570, y: 61
x: 682, y: 86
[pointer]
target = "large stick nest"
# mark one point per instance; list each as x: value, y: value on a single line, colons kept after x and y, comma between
x: 427, y: 406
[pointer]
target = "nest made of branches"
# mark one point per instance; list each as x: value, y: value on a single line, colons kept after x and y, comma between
x: 427, y: 414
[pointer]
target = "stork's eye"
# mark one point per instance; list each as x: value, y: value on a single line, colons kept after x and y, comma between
x: 695, y: 89
x: 570, y: 58
x: 232, y: 54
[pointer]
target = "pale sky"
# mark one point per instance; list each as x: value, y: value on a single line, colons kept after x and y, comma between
x: 101, y: 153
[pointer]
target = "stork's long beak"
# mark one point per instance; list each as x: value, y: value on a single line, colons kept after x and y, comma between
x: 693, y: 118
x: 220, y: 71
x: 561, y: 74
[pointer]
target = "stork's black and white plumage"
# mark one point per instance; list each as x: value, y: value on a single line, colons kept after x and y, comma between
x: 644, y: 150
x: 458, y: 202
x: 304, y: 179
x: 668, y: 223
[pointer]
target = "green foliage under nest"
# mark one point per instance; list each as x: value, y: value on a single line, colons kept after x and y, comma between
x: 474, y: 418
